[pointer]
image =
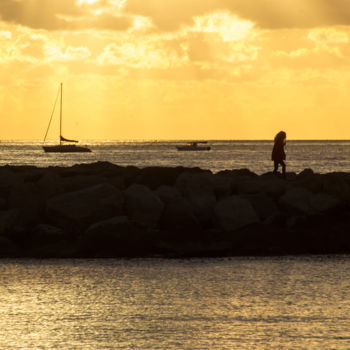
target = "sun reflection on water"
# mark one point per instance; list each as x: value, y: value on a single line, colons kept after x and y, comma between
x: 289, y: 303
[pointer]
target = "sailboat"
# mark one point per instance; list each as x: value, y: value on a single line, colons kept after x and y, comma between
x: 65, y: 145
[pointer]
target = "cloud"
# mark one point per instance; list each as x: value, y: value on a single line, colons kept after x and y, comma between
x: 219, y: 42
x: 170, y: 15
x: 321, y: 48
x: 271, y: 14
x: 62, y: 15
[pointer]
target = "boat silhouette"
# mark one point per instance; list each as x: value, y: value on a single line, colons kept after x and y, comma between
x: 65, y: 145
x: 194, y: 146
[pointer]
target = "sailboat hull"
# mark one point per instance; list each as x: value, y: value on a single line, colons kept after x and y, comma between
x: 66, y: 149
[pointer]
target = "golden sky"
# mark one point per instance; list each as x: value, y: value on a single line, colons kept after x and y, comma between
x: 176, y: 69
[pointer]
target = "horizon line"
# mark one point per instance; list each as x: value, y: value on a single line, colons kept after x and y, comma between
x: 167, y: 140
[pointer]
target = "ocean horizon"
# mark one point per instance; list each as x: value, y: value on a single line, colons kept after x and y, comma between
x: 320, y: 155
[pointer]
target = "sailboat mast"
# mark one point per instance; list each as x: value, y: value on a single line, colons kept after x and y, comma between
x: 61, y: 115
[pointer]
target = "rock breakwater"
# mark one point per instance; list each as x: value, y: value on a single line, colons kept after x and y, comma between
x: 104, y: 210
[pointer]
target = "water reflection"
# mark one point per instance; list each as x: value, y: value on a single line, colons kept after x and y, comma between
x: 289, y: 303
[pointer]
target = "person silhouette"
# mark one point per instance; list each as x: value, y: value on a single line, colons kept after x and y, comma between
x: 278, y: 153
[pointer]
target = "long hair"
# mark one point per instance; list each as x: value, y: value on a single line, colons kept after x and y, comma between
x: 280, y: 137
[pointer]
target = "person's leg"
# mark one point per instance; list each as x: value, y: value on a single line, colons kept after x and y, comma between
x: 275, y: 162
x: 283, y: 168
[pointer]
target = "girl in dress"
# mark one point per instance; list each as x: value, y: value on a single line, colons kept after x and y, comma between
x: 278, y: 153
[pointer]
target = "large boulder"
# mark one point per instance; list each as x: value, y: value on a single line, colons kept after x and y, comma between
x: 8, y: 179
x: 322, y: 202
x: 306, y: 173
x: 222, y: 185
x: 238, y: 173
x: 274, y: 187
x: 110, y: 230
x: 27, y: 199
x: 264, y: 206
x: 270, y: 185
x: 234, y: 212
x: 116, y: 236
x: 8, y: 248
x: 79, y: 182
x: 79, y: 209
x: 117, y: 181
x: 335, y: 184
x: 143, y: 206
x: 312, y: 182
x: 49, y: 184
x: 297, y: 199
x: 167, y: 193
x: 8, y: 220
x: 100, y: 168
x: 44, y: 234
x: 198, y: 189
x: 247, y: 185
x: 178, y: 214
x: 153, y: 177
x: 3, y: 203
x: 118, y: 226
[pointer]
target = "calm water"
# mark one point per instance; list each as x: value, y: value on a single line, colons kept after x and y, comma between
x: 321, y: 156
x: 241, y: 303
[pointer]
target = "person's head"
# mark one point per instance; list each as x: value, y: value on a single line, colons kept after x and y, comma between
x: 281, y: 136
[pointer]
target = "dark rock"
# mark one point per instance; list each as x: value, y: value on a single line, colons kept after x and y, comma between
x: 8, y: 220
x: 27, y: 199
x: 191, y: 212
x: 222, y: 185
x: 167, y: 193
x: 272, y: 186
x: 59, y: 249
x: 297, y: 199
x: 110, y: 232
x: 97, y: 168
x: 322, y: 202
x: 238, y: 172
x: 46, y: 234
x: 143, y: 206
x: 117, y: 181
x: 118, y: 227
x: 32, y: 174
x: 178, y: 214
x: 129, y: 174
x: 306, y: 173
x: 8, y: 249
x: 50, y: 184
x: 8, y: 180
x: 313, y: 183
x: 115, y: 237
x: 79, y: 182
x: 264, y: 206
x: 153, y: 177
x: 336, y: 185
x: 198, y: 189
x: 3, y: 204
x: 234, y: 212
x: 77, y: 210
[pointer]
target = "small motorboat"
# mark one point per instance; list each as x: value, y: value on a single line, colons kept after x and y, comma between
x: 194, y: 146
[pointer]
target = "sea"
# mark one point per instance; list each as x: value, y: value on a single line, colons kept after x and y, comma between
x: 240, y: 303
x: 321, y: 156
x: 290, y: 302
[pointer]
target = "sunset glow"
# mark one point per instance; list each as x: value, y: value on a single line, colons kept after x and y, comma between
x: 163, y: 69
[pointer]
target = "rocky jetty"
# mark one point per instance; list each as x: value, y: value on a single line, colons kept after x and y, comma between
x: 104, y: 210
